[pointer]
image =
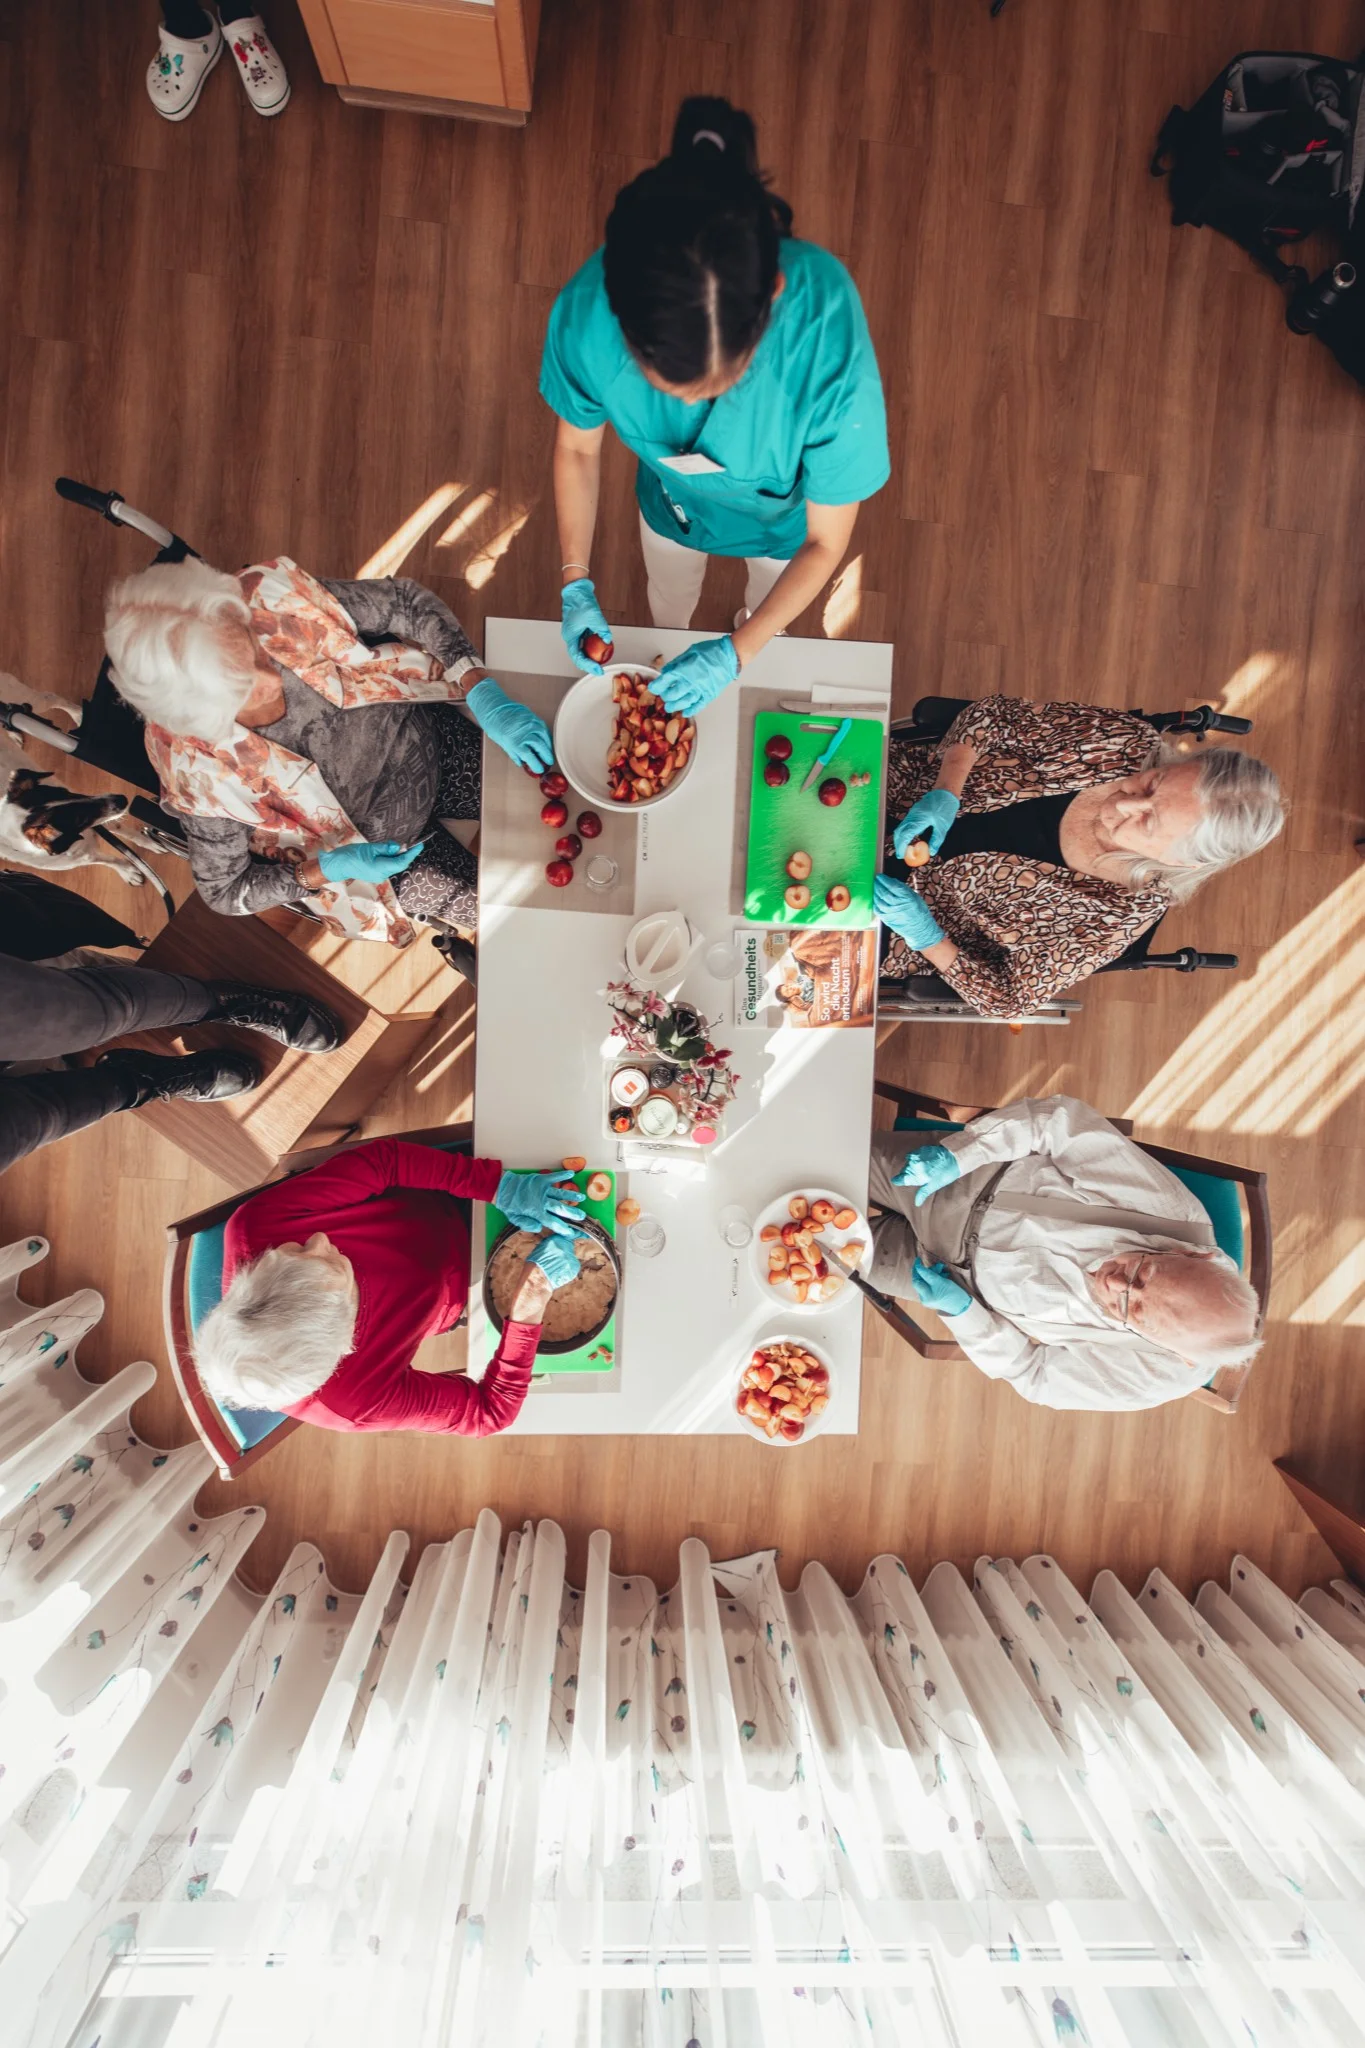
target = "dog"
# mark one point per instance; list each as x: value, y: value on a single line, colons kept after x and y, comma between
x: 45, y: 826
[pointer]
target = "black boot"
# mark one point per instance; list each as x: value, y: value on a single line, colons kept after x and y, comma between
x: 296, y: 1021
x: 195, y: 1077
x: 458, y: 954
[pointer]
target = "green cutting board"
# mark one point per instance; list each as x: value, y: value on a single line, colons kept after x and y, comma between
x: 589, y: 1358
x: 843, y: 841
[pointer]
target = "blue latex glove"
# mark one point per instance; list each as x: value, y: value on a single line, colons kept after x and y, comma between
x: 929, y: 1169
x: 540, y: 1201
x: 697, y: 675
x: 930, y: 818
x: 366, y: 861
x: 520, y: 733
x: 904, y: 911
x: 580, y: 613
x: 940, y: 1293
x: 557, y: 1260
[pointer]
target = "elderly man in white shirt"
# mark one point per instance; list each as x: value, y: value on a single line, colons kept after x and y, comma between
x: 1068, y: 1261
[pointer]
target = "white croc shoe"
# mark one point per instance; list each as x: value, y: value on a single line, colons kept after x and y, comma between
x: 175, y: 76
x: 259, y: 65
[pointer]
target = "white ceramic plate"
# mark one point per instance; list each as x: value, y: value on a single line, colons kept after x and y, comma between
x: 816, y: 1424
x: 778, y: 1212
x: 585, y: 725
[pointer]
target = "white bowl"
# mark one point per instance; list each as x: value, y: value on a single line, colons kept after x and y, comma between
x: 784, y: 1295
x: 585, y: 725
x: 813, y: 1427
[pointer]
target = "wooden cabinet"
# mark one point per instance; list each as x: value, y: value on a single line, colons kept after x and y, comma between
x: 474, y: 58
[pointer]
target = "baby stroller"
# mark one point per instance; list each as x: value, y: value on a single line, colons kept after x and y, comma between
x: 109, y: 734
x: 928, y: 999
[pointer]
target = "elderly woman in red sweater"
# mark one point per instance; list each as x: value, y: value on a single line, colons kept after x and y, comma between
x: 333, y: 1279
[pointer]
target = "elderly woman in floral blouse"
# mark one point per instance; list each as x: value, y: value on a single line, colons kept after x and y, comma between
x: 1057, y: 835
x: 314, y: 735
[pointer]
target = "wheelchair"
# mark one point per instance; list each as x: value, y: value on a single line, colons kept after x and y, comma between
x: 109, y: 734
x: 928, y: 999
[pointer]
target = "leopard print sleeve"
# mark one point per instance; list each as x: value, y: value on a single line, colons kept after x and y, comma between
x: 1032, y: 749
x: 1025, y: 934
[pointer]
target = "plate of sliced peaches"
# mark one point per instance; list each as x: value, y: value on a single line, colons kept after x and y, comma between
x: 791, y: 1248
x: 783, y: 1390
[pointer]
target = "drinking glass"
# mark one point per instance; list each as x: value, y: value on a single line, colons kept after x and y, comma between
x: 646, y: 1238
x: 723, y: 960
x: 735, y: 1226
x: 601, y: 871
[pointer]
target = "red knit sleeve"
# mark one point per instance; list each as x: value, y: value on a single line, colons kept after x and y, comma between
x: 451, y: 1403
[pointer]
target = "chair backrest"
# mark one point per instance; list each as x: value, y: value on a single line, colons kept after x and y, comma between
x: 1222, y: 1190
x: 237, y: 1437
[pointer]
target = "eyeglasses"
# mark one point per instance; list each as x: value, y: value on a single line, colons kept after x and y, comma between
x: 1123, y: 1307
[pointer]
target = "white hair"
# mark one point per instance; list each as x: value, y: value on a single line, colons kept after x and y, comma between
x: 278, y: 1334
x: 1232, y: 1318
x: 163, y: 630
x: 1241, y: 810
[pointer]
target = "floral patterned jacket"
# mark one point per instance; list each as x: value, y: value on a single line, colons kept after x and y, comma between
x: 1026, y: 930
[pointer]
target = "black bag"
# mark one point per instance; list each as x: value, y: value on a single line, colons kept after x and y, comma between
x: 1273, y: 151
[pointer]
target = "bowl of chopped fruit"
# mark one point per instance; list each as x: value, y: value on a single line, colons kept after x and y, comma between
x: 616, y: 742
x: 783, y: 1392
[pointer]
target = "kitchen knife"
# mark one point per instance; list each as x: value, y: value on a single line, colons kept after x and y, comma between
x: 837, y: 1265
x: 823, y: 760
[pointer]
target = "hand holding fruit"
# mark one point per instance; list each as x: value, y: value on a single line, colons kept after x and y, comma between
x: 581, y: 616
x: 930, y: 818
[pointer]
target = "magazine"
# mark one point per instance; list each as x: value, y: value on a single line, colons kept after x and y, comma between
x: 805, y: 980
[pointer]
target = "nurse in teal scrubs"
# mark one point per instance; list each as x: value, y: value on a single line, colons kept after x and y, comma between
x: 736, y: 362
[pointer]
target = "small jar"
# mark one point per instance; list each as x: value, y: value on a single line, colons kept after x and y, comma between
x: 662, y: 1075
x: 657, y: 1117
x: 629, y: 1087
x: 622, y: 1122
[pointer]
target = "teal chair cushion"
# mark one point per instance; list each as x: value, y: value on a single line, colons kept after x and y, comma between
x: 1222, y: 1205
x: 250, y: 1426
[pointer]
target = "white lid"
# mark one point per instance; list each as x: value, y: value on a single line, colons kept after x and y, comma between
x: 658, y: 948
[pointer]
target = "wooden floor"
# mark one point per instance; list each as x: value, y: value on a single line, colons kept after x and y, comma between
x: 1117, y: 477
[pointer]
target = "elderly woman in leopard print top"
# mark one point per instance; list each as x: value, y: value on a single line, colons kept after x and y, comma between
x: 1058, y: 834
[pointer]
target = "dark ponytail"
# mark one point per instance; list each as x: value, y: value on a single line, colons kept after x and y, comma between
x: 692, y: 248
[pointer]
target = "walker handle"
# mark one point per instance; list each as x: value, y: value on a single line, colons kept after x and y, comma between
x: 102, y: 502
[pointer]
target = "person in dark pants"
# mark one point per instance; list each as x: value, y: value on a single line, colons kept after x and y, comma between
x: 47, y: 1011
x: 191, y: 44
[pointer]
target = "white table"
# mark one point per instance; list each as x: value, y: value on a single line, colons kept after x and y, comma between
x: 803, y: 1115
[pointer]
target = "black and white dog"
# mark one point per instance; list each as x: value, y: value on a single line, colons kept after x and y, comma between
x: 45, y: 826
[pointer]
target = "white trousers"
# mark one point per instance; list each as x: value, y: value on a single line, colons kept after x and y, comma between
x: 676, y: 575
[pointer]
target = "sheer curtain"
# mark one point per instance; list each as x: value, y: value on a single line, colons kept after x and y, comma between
x: 498, y: 1808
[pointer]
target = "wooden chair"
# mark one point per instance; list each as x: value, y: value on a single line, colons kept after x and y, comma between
x: 1227, y: 1192
x: 237, y: 1438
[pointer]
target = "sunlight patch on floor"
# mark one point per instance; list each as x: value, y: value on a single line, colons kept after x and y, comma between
x: 844, y: 602
x: 1340, y: 1296
x: 467, y: 517
x: 1286, y: 1049
x: 482, y: 568
x: 390, y: 556
x: 1241, y: 692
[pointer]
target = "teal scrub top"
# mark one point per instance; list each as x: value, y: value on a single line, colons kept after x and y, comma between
x: 807, y: 420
